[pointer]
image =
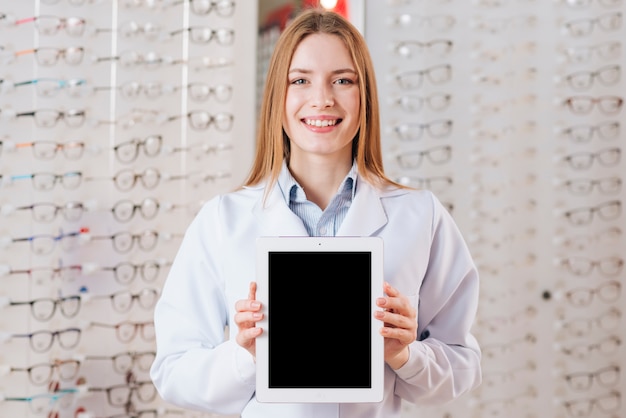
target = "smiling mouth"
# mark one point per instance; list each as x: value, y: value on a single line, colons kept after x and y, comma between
x: 322, y: 122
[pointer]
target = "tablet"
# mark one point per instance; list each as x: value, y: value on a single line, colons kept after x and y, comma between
x: 321, y: 342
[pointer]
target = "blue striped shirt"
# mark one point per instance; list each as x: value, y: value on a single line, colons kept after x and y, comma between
x: 318, y: 223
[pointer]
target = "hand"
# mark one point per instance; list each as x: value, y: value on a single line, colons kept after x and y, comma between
x: 246, y: 317
x: 400, y: 325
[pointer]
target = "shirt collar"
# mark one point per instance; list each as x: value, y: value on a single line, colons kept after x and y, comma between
x: 287, y: 183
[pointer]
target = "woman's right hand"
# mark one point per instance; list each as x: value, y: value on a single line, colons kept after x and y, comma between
x: 248, y: 313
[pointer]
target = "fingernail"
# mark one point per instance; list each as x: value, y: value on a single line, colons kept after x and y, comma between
x: 255, y: 305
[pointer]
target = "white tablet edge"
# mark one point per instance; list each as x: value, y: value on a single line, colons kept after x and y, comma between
x: 320, y: 395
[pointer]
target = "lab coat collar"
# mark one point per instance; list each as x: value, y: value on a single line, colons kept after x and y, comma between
x: 365, y: 217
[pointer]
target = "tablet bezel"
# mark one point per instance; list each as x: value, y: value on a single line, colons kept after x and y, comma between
x: 372, y: 245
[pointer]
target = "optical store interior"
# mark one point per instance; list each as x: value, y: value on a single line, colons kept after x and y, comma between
x: 120, y: 118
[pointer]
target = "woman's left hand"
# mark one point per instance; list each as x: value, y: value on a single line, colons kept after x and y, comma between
x: 400, y: 325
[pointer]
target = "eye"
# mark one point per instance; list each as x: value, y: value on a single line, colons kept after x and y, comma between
x: 298, y: 81
x: 344, y: 81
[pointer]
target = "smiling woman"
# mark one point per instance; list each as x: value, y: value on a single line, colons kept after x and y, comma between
x: 318, y: 171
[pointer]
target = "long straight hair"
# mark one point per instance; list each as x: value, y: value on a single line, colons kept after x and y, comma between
x: 272, y: 143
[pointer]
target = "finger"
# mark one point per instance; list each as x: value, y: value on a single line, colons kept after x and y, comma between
x: 245, y: 305
x: 390, y: 290
x: 246, y: 337
x: 247, y: 319
x: 395, y: 320
x: 402, y: 335
x: 252, y: 291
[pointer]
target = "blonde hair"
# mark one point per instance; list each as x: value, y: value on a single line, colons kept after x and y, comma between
x: 272, y: 143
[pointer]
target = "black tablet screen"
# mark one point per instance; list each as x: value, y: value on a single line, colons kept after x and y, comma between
x: 319, y: 315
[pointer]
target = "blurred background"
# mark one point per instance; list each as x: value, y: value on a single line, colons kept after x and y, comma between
x: 119, y: 118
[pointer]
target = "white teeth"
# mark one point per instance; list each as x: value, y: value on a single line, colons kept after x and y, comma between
x: 320, y: 123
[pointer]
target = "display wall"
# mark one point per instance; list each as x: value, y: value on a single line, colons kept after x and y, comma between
x: 510, y: 110
x: 119, y: 118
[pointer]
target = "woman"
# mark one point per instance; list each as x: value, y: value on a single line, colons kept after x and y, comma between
x: 318, y: 171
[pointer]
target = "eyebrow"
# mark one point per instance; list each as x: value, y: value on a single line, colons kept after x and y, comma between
x: 338, y: 71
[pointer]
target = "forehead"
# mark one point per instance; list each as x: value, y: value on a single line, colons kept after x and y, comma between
x: 321, y: 50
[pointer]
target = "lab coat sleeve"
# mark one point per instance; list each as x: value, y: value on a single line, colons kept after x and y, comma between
x: 445, y: 361
x: 195, y: 367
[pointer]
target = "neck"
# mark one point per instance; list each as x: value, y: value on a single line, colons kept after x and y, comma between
x: 320, y: 181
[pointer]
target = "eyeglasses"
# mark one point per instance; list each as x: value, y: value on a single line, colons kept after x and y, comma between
x: 499, y: 25
x: 50, y: 87
x: 493, y: 54
x: 606, y: 211
x: 46, y: 181
x: 41, y: 341
x: 436, y: 102
x: 607, y: 157
x: 47, y: 212
x: 149, y: 61
x: 41, y: 373
x: 204, y: 35
x: 496, y: 378
x: 582, y: 381
x: 41, y: 274
x: 131, y: 29
x: 582, y: 105
x: 200, y: 120
x: 587, y: 3
x: 438, y: 47
x: 222, y: 8
x: 125, y: 180
x: 499, y: 349
x: 41, y: 403
x: 124, y: 210
x: 44, y: 244
x: 120, y: 395
x: 131, y: 90
x: 126, y: 331
x: 49, y: 56
x: 436, y: 183
x: 436, y: 155
x: 51, y: 25
x: 122, y: 301
x: 508, y: 78
x: 47, y: 150
x: 436, y: 22
x: 583, y: 266
x: 605, y: 346
x: 583, y: 54
x: 438, y: 74
x: 582, y: 187
x: 607, y: 403
x: 608, y: 22
x: 414, y: 131
x: 48, y: 118
x: 200, y: 92
x: 584, y: 133
x: 127, y: 152
x: 607, y: 292
x: 71, y: 2
x: 608, y: 235
x: 124, y: 362
x: 152, y: 413
x: 580, y: 327
x: 42, y: 309
x: 125, y: 272
x: 583, y: 80
x: 123, y: 242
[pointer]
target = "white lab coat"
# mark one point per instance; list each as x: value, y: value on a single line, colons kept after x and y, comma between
x: 425, y: 258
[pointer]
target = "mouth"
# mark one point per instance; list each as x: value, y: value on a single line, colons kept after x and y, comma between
x: 322, y: 123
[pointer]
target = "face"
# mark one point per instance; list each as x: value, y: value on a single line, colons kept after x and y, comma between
x: 323, y: 102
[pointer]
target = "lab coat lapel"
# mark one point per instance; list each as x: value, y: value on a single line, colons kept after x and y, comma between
x: 366, y: 214
x: 275, y: 217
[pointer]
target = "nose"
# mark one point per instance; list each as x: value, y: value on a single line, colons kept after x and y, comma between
x: 322, y: 97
